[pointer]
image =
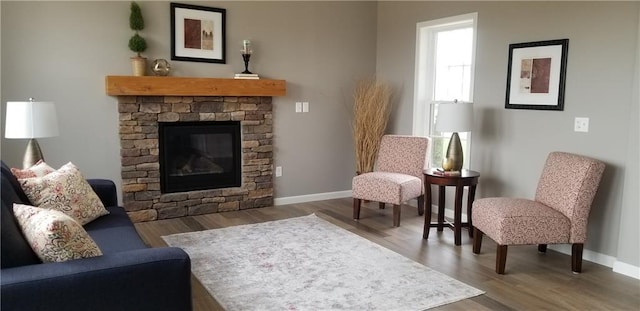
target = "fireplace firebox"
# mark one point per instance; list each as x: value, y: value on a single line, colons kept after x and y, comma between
x: 199, y: 155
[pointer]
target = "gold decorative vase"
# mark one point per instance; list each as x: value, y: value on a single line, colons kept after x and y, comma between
x: 139, y: 65
x: 454, y: 158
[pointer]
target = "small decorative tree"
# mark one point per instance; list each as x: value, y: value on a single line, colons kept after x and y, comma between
x: 136, y: 23
x: 137, y: 43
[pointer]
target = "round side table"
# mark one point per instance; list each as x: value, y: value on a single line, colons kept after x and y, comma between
x: 466, y: 178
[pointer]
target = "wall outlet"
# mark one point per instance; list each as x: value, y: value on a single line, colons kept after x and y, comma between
x: 581, y: 125
x: 278, y: 171
x: 298, y: 106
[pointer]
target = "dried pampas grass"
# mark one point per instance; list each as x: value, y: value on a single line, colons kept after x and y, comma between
x: 371, y: 111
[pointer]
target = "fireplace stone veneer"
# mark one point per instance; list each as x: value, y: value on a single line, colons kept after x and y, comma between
x: 140, y: 169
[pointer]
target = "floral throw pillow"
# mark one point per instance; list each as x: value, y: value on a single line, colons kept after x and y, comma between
x: 67, y: 191
x: 54, y: 236
x: 38, y: 170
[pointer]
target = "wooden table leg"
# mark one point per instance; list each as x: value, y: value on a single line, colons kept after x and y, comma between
x: 427, y: 214
x: 470, y: 199
x: 441, y: 196
x: 457, y: 221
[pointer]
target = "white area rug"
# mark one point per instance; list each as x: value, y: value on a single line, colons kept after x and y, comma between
x: 307, y: 263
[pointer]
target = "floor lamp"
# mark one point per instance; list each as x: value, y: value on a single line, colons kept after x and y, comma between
x: 31, y: 120
x: 454, y: 117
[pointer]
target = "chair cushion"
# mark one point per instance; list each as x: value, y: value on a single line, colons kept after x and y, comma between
x: 402, y: 154
x: 115, y: 232
x: 392, y: 188
x: 568, y: 184
x: 512, y: 221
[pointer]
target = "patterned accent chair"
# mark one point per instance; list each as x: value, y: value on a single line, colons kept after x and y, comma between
x: 397, y: 176
x: 557, y: 215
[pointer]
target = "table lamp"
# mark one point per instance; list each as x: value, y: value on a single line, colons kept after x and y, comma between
x: 31, y: 120
x: 454, y: 117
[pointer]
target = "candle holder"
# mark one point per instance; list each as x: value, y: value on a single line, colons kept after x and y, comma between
x: 246, y: 57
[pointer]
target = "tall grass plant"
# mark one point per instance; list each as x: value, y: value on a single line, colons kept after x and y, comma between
x: 371, y: 112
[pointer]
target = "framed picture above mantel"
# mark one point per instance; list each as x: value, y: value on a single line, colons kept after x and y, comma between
x: 536, y: 75
x: 197, y: 33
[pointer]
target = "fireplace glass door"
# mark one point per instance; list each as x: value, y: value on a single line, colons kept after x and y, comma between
x: 199, y: 155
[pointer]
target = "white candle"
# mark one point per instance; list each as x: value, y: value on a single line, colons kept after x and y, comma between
x: 246, y: 44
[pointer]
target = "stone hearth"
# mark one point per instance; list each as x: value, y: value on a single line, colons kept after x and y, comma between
x: 138, y: 130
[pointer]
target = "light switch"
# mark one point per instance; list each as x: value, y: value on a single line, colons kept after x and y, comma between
x: 298, y: 106
x: 305, y: 106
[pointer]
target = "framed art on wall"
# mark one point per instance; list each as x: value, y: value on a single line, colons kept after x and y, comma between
x: 536, y: 75
x: 197, y: 33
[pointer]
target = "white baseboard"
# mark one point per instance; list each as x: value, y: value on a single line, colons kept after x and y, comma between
x: 449, y: 213
x: 325, y: 196
x: 626, y: 269
x: 312, y: 197
x: 588, y: 255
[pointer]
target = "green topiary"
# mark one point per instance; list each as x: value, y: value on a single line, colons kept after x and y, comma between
x: 136, y: 23
x: 137, y: 44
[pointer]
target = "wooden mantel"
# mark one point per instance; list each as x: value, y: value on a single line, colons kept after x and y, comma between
x: 185, y: 86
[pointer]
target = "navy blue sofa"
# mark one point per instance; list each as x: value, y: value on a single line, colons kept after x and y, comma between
x: 129, y: 275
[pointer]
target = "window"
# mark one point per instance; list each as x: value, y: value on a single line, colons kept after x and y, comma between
x: 445, y: 53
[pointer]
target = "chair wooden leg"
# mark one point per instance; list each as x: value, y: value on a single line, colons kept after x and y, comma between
x: 381, y: 205
x: 501, y: 258
x: 477, y: 240
x: 396, y: 215
x: 356, y: 208
x: 576, y: 257
x: 542, y: 248
x: 421, y: 205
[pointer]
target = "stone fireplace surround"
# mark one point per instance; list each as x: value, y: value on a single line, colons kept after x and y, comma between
x: 140, y: 168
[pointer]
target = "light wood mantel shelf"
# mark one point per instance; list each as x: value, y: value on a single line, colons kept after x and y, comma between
x: 185, y: 86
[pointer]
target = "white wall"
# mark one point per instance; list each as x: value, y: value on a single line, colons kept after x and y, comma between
x: 510, y: 146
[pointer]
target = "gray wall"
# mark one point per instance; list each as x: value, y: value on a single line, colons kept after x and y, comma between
x: 630, y: 214
x: 510, y: 146
x: 61, y: 51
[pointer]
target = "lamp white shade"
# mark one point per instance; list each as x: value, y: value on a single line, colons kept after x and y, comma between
x: 30, y: 120
x: 454, y: 117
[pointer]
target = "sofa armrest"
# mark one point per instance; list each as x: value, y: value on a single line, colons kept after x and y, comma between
x: 106, y: 191
x: 143, y: 279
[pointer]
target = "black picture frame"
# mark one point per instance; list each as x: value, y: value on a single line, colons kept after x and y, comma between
x: 189, y: 27
x: 536, y: 75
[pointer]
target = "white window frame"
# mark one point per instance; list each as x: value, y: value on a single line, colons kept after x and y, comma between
x: 425, y: 74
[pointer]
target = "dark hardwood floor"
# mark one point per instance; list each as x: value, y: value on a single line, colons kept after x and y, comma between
x: 533, y: 281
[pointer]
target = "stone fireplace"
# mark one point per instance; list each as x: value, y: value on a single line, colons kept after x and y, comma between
x: 141, y: 116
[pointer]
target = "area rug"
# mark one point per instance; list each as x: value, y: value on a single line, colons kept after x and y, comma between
x: 307, y: 263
